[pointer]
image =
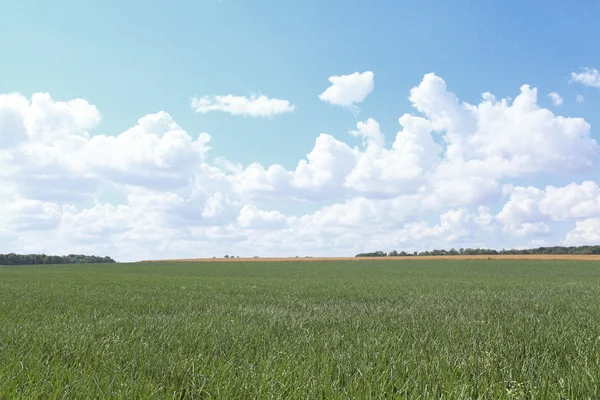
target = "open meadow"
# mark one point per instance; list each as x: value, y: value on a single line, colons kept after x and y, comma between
x: 348, y: 329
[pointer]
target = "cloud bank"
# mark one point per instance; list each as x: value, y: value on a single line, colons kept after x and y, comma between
x: 445, y: 179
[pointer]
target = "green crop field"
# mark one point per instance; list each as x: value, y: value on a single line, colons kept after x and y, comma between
x: 430, y: 329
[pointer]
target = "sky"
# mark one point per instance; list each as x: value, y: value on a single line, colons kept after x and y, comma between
x: 169, y: 129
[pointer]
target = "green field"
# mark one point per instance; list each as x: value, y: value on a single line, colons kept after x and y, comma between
x: 302, y: 330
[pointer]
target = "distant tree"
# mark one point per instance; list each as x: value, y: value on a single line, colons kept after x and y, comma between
x: 12, y: 259
x: 582, y: 250
x: 226, y: 256
x: 32, y: 259
x: 374, y: 254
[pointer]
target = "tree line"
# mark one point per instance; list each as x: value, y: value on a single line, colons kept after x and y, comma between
x: 554, y: 250
x: 34, y: 259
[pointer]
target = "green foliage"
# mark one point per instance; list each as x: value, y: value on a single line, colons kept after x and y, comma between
x: 555, y: 250
x: 374, y: 254
x: 319, y: 330
x: 36, y: 259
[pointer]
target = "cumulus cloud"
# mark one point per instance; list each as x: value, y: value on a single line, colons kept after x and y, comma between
x: 557, y: 100
x: 503, y: 138
x: 587, y: 77
x: 484, y: 144
x: 333, y: 169
x: 443, y: 179
x: 155, y: 152
x: 52, y: 152
x: 348, y: 90
x: 253, y: 106
x: 585, y: 232
x: 530, y: 204
x: 251, y: 217
x: 532, y: 229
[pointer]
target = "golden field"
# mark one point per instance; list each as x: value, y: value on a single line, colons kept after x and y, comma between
x: 574, y: 257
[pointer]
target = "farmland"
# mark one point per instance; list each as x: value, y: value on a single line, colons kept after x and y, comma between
x: 408, y: 329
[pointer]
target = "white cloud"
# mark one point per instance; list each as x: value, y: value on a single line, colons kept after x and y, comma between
x: 498, y: 138
x: 348, y: 90
x: 579, y: 98
x: 529, y: 229
x: 155, y: 152
x: 253, y: 106
x: 402, y: 168
x: 43, y: 119
x: 54, y: 152
x: 587, y: 77
x: 530, y: 211
x: 333, y: 169
x: 484, y: 143
x: 251, y: 217
x: 573, y: 201
x: 151, y: 192
x: 585, y: 232
x: 557, y: 100
x: 522, y: 207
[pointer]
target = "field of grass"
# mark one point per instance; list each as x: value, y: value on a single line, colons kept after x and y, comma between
x: 407, y: 329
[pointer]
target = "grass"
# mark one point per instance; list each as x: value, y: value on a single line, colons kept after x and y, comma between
x: 468, y: 329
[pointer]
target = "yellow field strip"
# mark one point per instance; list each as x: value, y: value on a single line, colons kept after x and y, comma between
x: 474, y: 257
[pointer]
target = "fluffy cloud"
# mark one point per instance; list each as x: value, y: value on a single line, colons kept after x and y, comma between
x: 332, y: 169
x: 442, y: 180
x: 585, y: 232
x: 253, y: 106
x: 52, y: 155
x: 155, y: 152
x: 573, y: 201
x: 348, y: 90
x: 484, y: 143
x: 251, y: 217
x: 587, y: 77
x: 42, y: 119
x: 504, y: 139
x: 557, y: 100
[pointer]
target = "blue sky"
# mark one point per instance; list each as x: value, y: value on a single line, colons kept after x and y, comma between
x: 134, y: 58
